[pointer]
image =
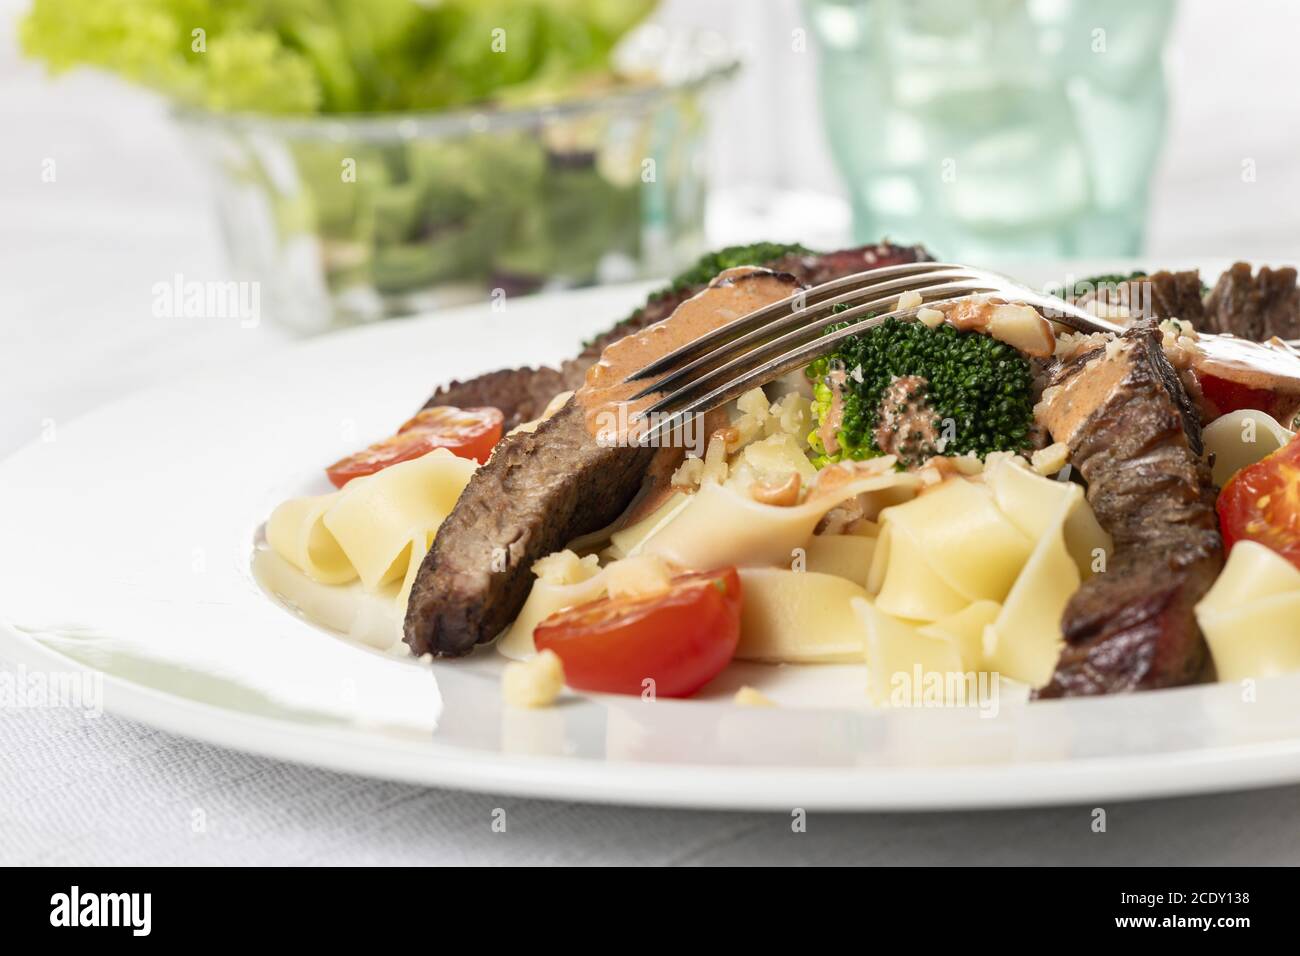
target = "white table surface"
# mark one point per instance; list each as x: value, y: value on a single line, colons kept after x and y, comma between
x: 78, y: 258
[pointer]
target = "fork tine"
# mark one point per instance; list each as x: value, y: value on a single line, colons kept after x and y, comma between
x: 796, y: 358
x: 805, y: 333
x: 803, y: 317
x: 760, y: 316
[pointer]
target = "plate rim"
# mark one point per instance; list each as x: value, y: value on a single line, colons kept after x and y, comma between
x: 829, y: 789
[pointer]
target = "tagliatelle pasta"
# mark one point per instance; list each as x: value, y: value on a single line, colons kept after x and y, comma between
x: 965, y: 630
x: 377, y: 528
x: 627, y: 542
x: 960, y: 537
x: 799, y: 616
x: 1242, y: 438
x: 1024, y: 642
x: 1251, y: 617
x: 796, y: 600
x: 987, y: 565
x: 296, y: 532
x: 563, y: 580
x: 722, y: 525
x: 897, y: 654
x: 845, y: 555
x: 905, y: 584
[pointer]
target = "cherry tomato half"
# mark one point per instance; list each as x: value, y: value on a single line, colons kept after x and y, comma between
x: 1262, y: 503
x: 1229, y: 396
x: 465, y: 432
x: 681, y: 639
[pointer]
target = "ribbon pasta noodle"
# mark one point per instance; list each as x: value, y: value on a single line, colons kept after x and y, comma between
x: 987, y: 566
x: 722, y: 525
x: 965, y: 547
x: 1242, y: 438
x: 896, y: 650
x: 563, y: 580
x: 377, y: 528
x: 297, y: 533
x: 800, y: 616
x: 787, y: 615
x: 1251, y: 617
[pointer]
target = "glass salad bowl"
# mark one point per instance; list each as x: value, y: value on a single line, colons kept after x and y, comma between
x: 344, y: 219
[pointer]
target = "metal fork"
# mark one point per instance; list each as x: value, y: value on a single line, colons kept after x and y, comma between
x: 786, y: 335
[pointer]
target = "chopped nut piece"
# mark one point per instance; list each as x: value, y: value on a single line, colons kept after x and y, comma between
x: 533, y: 683
x: 565, y: 567
x: 689, y: 473
x: 910, y: 300
x: 749, y: 697
x: 930, y: 318
x: 644, y: 575
x: 715, y: 459
x: 1050, y: 460
x: 730, y: 436
x: 784, y: 494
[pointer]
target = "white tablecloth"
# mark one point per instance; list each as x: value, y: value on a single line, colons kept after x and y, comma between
x: 107, y: 791
x: 78, y: 258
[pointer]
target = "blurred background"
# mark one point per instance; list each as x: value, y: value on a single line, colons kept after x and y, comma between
x: 514, y: 147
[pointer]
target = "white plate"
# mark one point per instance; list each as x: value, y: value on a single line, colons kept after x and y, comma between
x: 126, y: 546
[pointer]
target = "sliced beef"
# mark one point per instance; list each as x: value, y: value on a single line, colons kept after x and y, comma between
x: 541, y: 490
x: 814, y: 269
x: 1177, y: 295
x: 522, y: 394
x: 1135, y: 438
x: 1255, y: 307
x: 1164, y: 295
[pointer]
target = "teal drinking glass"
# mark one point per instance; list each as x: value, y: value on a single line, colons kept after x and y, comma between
x: 995, y: 128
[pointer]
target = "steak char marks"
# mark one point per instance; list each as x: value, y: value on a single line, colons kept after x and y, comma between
x: 1136, y: 440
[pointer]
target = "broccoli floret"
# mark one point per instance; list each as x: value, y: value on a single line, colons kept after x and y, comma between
x: 1093, y: 283
x: 978, y: 389
x: 710, y: 264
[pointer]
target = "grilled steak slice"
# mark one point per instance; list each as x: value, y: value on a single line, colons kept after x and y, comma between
x: 1165, y: 295
x: 1177, y: 295
x: 522, y: 394
x: 540, y: 490
x: 1135, y: 438
x: 1257, y: 307
x: 819, y: 268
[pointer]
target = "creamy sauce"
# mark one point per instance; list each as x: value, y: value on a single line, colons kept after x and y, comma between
x: 905, y: 425
x: 1064, y: 408
x: 605, y: 394
x: 972, y: 314
x: 1018, y: 325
